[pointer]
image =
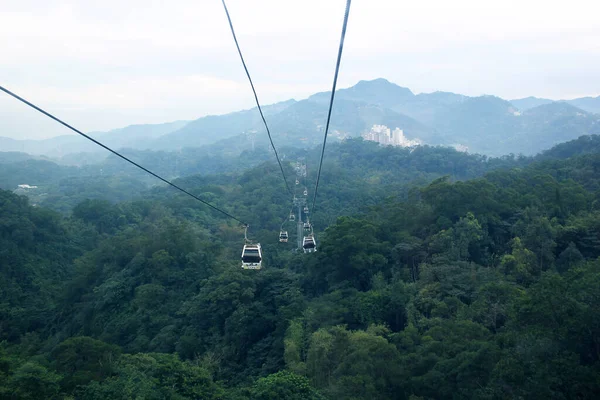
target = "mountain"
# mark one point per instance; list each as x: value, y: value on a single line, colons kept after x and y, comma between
x: 14, y: 157
x: 589, y: 104
x: 550, y: 124
x: 212, y: 128
x: 138, y: 135
x: 131, y: 136
x: 426, y: 107
x: 483, y: 124
x: 380, y: 92
x: 479, y: 123
x: 304, y: 122
x: 529, y: 102
x: 587, y: 144
x: 295, y: 123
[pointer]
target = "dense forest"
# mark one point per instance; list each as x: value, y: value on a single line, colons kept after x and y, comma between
x: 61, y: 187
x: 439, y: 275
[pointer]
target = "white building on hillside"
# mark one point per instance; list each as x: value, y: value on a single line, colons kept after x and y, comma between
x: 384, y: 136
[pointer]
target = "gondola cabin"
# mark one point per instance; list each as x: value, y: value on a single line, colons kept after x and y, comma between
x: 306, y: 192
x: 292, y: 217
x: 305, y: 209
x: 308, y: 244
x: 283, y: 236
x: 252, y: 256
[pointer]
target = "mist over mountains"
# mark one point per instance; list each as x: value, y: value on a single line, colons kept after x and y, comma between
x: 484, y: 124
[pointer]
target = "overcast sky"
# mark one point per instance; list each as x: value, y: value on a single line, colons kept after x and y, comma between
x: 106, y: 64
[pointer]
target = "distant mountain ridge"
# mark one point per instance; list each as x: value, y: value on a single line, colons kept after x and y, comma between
x: 589, y: 104
x: 484, y: 124
x: 136, y: 136
x: 529, y: 102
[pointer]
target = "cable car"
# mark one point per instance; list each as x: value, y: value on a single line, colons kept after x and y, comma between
x: 292, y: 217
x: 251, y: 256
x: 297, y: 182
x: 283, y: 236
x: 308, y: 244
x: 306, y: 209
x: 307, y: 225
x: 305, y: 192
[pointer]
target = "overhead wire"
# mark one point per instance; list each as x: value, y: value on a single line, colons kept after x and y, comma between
x: 256, y: 96
x: 21, y: 99
x: 335, y: 78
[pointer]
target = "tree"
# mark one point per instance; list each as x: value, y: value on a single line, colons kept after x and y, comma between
x: 520, y: 264
x: 83, y: 359
x: 32, y: 381
x: 568, y: 258
x: 155, y: 376
x: 350, y: 365
x: 284, y: 385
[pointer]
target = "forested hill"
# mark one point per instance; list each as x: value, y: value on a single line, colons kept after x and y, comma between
x: 484, y: 288
x: 588, y: 144
x: 355, y: 162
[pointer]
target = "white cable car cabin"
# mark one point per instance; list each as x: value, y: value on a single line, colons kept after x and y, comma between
x: 305, y: 192
x: 308, y: 244
x: 283, y: 236
x: 297, y: 182
x: 305, y: 209
x: 251, y: 256
x: 307, y: 225
x: 292, y: 217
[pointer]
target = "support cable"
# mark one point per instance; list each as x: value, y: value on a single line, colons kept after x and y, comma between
x: 335, y: 77
x: 256, y: 96
x: 119, y: 155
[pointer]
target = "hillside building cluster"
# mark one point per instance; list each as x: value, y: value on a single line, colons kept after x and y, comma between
x: 384, y: 136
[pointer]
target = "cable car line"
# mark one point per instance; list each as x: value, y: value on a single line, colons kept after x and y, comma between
x: 335, y: 77
x: 255, y: 95
x: 119, y: 154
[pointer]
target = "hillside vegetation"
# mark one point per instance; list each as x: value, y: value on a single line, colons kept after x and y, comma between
x: 439, y: 276
x: 62, y: 187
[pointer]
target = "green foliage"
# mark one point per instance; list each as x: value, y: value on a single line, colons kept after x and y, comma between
x: 154, y: 376
x: 34, y: 381
x: 82, y: 359
x: 284, y: 385
x: 486, y: 288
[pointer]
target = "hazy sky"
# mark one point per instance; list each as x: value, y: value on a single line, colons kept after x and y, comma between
x: 110, y: 63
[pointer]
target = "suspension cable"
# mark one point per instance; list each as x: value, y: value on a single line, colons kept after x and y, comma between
x: 335, y: 77
x: 255, y: 96
x: 119, y: 154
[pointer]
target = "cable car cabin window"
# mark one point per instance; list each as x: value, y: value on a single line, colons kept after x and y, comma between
x: 251, y: 255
